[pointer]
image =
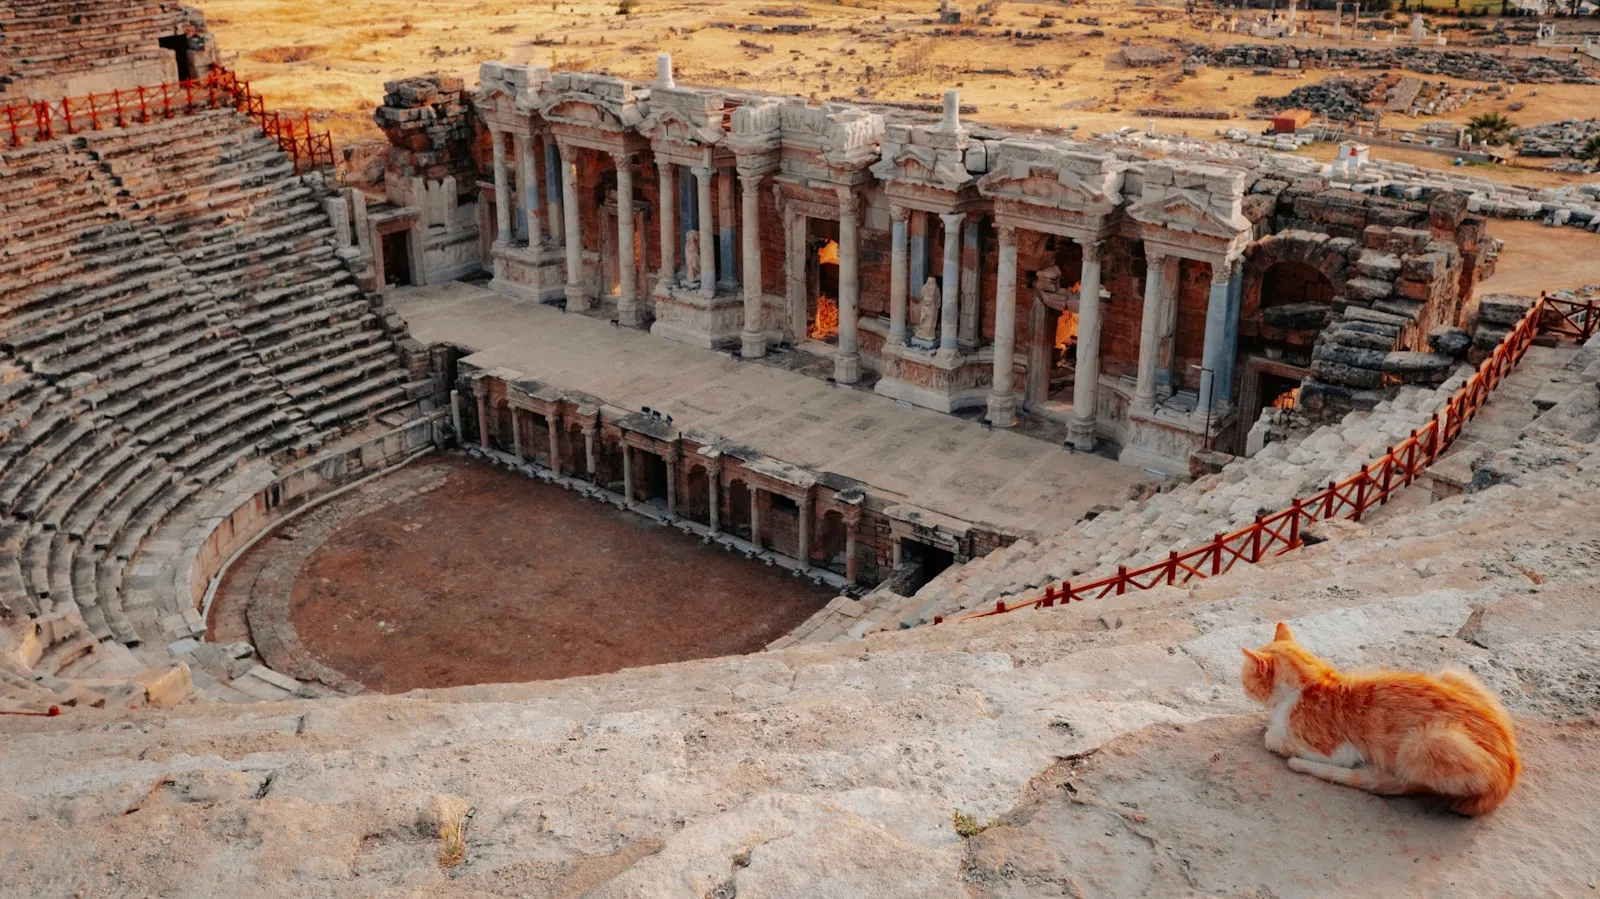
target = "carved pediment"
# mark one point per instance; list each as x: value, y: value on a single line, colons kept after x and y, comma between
x: 1047, y: 187
x: 673, y: 126
x: 923, y: 165
x: 1188, y: 210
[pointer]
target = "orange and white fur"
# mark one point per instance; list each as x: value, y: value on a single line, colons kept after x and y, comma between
x: 1386, y: 732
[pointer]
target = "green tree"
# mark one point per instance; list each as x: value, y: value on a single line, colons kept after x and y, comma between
x: 1491, y: 128
x: 1589, y: 149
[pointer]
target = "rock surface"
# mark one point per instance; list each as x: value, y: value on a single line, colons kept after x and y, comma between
x: 1108, y: 739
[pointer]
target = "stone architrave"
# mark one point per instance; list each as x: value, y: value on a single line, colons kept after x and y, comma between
x: 928, y: 304
x: 691, y: 257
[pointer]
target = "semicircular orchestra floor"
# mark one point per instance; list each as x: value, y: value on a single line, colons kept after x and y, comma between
x: 452, y: 572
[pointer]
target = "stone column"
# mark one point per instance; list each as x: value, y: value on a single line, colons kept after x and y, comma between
x: 1211, y: 360
x: 666, y: 211
x: 852, y: 531
x: 502, y: 191
x: 728, y: 274
x: 897, y: 278
x: 627, y: 266
x: 627, y: 473
x: 577, y: 297
x: 672, y: 483
x: 804, y: 531
x: 753, y: 339
x: 1230, y: 342
x: 714, y: 487
x: 1002, y: 396
x: 528, y: 179
x: 971, y: 302
x: 552, y: 189
x: 755, y: 517
x: 1086, y: 375
x: 794, y: 237
x: 708, y: 250
x: 847, y: 365
x: 950, y: 286
x: 1144, y: 394
x: 516, y: 435
x: 589, y: 451
x: 553, y: 429
x: 455, y: 413
x: 483, y: 417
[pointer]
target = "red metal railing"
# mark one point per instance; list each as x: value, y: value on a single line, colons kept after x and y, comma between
x: 220, y: 88
x: 1371, y: 486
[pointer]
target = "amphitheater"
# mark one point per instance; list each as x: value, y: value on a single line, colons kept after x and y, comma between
x: 649, y: 489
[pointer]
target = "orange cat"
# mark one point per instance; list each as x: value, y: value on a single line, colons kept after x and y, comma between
x: 1386, y: 732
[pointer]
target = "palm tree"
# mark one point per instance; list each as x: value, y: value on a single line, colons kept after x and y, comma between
x: 1589, y: 149
x: 1491, y: 128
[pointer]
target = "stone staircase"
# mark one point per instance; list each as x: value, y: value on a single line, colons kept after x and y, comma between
x: 174, y: 319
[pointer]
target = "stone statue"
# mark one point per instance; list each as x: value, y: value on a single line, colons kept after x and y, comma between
x: 928, y: 312
x: 691, y: 257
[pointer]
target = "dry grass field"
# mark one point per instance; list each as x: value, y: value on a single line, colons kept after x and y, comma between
x: 334, y: 58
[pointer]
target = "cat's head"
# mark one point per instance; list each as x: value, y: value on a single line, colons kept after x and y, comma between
x: 1283, y: 662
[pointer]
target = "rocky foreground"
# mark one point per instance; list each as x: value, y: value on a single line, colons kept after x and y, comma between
x: 1104, y: 749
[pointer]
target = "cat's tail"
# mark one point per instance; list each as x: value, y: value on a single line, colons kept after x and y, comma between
x: 1479, y: 777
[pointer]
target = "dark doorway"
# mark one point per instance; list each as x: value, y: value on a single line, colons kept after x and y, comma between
x: 653, y: 482
x: 924, y: 561
x: 738, y: 517
x: 179, y: 45
x: 1290, y: 283
x: 397, y: 259
x: 695, y: 501
x: 832, y: 539
x: 1277, y: 392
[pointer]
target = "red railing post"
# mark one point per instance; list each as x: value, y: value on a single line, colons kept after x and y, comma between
x: 1361, y: 493
x: 94, y: 115
x: 1122, y: 579
x: 188, y: 96
x: 1066, y: 592
x: 1172, y: 567
x: 116, y: 98
x: 144, y: 111
x: 1049, y: 596
x: 1327, y: 501
x: 1216, y: 554
x: 1255, y: 541
x: 1388, y: 475
x: 44, y: 126
x: 1294, y: 524
x: 66, y: 113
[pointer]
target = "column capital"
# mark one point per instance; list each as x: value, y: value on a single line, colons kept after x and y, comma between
x: 1157, y: 257
x: 565, y: 150
x: 703, y: 171
x: 899, y: 213
x: 953, y: 219
x: 1008, y: 234
x: 622, y: 157
x: 1091, y: 248
x: 1222, y: 271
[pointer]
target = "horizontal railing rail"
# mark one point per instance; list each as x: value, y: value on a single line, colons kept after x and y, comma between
x: 31, y: 122
x: 1350, y: 498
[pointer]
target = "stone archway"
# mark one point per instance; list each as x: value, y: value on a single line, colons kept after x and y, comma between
x: 695, y: 501
x: 1276, y: 267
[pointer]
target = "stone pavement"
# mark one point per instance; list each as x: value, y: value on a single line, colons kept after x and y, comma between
x: 939, y: 462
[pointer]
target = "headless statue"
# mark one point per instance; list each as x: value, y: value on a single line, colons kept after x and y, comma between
x: 928, y: 312
x: 691, y: 257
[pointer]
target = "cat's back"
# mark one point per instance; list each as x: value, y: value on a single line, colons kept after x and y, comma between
x: 1453, y: 696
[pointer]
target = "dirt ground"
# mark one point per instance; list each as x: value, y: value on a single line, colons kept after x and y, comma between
x: 1539, y: 258
x: 493, y: 578
x: 335, y: 58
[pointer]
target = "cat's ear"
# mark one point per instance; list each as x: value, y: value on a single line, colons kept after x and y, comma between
x: 1262, y: 660
x: 1282, y: 633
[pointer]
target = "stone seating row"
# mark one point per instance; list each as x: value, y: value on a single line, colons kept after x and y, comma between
x: 226, y: 330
